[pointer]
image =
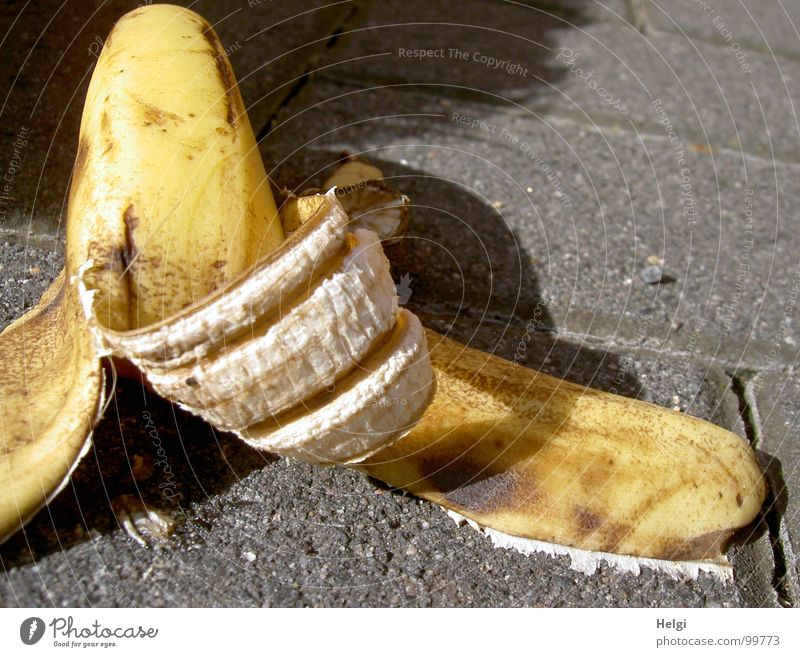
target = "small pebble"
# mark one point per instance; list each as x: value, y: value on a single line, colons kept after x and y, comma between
x: 249, y: 556
x: 651, y: 274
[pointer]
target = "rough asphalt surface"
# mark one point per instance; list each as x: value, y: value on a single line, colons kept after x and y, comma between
x: 650, y: 230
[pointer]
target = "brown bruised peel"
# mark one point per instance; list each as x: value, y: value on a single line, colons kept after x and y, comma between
x: 176, y: 253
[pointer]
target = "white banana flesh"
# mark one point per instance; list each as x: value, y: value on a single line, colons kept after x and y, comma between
x: 378, y: 403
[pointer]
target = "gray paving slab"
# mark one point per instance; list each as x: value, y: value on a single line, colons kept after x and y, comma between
x: 607, y: 72
x: 251, y: 529
x: 491, y: 54
x: 523, y: 215
x: 715, y: 98
x: 762, y: 26
x: 775, y: 397
x: 26, y: 270
x: 49, y: 52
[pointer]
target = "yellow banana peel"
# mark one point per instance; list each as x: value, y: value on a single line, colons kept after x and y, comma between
x: 51, y: 387
x: 171, y: 217
x: 534, y: 456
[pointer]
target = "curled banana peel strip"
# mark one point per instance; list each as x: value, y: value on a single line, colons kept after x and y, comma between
x: 177, y: 262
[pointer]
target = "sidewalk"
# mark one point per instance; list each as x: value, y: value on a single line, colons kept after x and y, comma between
x: 625, y: 173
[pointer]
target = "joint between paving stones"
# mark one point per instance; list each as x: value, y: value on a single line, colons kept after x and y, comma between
x: 784, y: 582
x: 638, y: 16
x: 305, y: 77
x: 610, y: 343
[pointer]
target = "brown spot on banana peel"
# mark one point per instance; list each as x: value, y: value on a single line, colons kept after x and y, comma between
x: 233, y: 100
x: 579, y: 467
x: 79, y: 168
x: 468, y: 484
x: 128, y: 255
x: 706, y: 546
x: 587, y: 521
x: 152, y: 115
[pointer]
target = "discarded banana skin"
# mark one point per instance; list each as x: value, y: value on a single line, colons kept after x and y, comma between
x: 51, y: 389
x: 368, y: 201
x: 534, y: 456
x: 176, y: 262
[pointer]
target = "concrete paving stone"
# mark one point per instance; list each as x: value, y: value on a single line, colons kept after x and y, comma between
x: 251, y: 529
x: 605, y: 71
x: 710, y: 95
x: 477, y: 51
x: 776, y: 396
x: 48, y: 58
x: 25, y: 273
x: 549, y: 220
x: 760, y: 26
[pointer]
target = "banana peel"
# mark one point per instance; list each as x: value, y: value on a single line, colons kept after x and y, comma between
x: 169, y: 198
x: 52, y: 390
x: 170, y: 205
x: 533, y: 456
x: 169, y: 201
x: 359, y: 188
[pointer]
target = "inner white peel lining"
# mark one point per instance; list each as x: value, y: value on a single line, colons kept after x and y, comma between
x: 588, y: 561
